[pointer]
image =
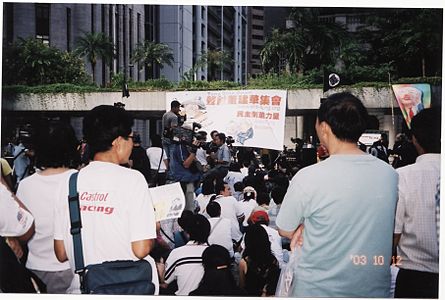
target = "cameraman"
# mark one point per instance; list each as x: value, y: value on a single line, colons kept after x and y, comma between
x: 221, y: 158
x: 185, y: 169
x: 170, y: 120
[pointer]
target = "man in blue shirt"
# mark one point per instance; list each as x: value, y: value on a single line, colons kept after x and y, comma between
x: 221, y: 159
x: 341, y: 211
x: 183, y: 167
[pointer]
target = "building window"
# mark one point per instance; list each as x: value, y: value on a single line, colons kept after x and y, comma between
x: 257, y: 27
x: 257, y: 37
x: 68, y: 29
x: 257, y: 17
x: 42, y: 22
x: 256, y: 47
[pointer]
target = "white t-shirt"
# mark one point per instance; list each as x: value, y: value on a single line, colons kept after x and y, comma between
x: 247, y: 208
x: 201, y: 156
x: 116, y: 209
x: 39, y: 194
x: 221, y: 234
x: 232, y: 178
x: 203, y: 200
x: 184, y: 264
x: 230, y: 209
x: 14, y: 220
x: 275, y: 244
x: 154, y: 155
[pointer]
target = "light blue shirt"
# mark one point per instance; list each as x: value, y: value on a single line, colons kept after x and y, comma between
x: 347, y: 205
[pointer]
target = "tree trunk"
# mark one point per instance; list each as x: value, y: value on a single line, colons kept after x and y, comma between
x: 93, y: 66
x: 423, y: 66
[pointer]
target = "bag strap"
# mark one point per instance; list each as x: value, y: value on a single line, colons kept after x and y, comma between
x: 76, y: 225
x: 159, y: 166
x: 166, y: 235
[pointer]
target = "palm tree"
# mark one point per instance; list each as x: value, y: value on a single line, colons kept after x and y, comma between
x: 95, y: 45
x: 282, y: 50
x: 215, y: 61
x: 149, y: 53
x: 322, y: 40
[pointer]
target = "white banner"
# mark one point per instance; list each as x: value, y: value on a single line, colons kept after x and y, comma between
x: 168, y: 201
x: 254, y: 118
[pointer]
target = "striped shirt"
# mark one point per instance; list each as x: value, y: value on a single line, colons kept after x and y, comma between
x: 416, y: 214
x: 184, y: 264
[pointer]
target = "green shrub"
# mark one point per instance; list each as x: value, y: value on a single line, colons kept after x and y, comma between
x: 30, y: 62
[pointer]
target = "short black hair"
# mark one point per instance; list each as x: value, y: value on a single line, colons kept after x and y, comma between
x: 103, y: 124
x: 55, y: 145
x: 199, y: 229
x: 184, y: 220
x: 345, y: 114
x: 235, y: 167
x: 262, y: 198
x: 220, y: 186
x: 222, y: 137
x: 239, y: 186
x: 208, y: 187
x: 175, y: 104
x: 278, y: 194
x: 213, y: 132
x: 213, y: 209
x: 426, y: 128
x: 156, y: 141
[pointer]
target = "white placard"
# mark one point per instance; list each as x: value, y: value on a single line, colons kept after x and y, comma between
x: 168, y: 201
x: 369, y: 138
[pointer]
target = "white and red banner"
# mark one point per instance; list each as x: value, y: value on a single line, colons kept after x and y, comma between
x: 254, y: 118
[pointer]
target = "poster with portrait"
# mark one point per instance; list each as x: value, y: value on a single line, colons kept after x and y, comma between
x: 254, y: 118
x: 168, y: 201
x: 412, y: 98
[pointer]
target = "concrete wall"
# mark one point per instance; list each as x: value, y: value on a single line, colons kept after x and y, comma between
x: 302, y: 99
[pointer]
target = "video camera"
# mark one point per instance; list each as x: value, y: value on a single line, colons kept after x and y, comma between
x: 187, y: 133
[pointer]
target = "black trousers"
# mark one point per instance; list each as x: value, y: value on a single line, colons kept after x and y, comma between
x: 416, y: 284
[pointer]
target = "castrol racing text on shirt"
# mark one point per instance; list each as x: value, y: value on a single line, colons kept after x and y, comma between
x: 95, y: 202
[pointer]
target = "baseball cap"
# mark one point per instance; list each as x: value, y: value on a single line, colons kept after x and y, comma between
x: 175, y: 103
x: 259, y: 216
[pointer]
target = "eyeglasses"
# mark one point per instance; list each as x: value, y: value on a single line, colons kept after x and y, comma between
x: 130, y: 137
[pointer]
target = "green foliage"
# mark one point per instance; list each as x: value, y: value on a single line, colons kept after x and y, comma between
x: 94, y: 46
x: 152, y: 84
x: 117, y: 80
x: 149, y: 53
x: 31, y: 62
x: 280, y: 81
x: 51, y: 89
x: 208, y: 85
x: 409, y: 38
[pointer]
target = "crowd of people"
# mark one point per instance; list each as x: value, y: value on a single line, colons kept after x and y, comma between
x: 363, y: 227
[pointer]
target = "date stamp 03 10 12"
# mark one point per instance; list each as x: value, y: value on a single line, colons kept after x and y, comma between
x: 376, y: 260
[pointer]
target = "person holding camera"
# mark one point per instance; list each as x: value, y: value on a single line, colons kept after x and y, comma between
x: 221, y: 159
x: 170, y: 120
x: 185, y: 169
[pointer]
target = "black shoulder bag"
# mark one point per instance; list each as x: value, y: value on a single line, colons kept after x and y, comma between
x: 121, y: 277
